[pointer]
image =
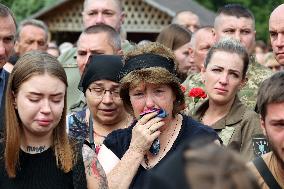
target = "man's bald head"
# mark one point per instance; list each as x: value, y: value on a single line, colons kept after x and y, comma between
x: 187, y: 19
x: 276, y: 31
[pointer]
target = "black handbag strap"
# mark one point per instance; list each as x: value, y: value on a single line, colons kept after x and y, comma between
x: 265, y: 173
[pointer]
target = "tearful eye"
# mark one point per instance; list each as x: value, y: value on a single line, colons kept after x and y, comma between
x: 34, y: 100
x: 56, y: 101
x: 159, y: 90
x: 137, y: 94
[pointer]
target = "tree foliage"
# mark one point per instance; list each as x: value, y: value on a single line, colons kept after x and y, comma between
x: 24, y: 8
x: 260, y: 8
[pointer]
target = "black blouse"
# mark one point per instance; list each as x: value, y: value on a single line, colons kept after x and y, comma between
x: 118, y: 142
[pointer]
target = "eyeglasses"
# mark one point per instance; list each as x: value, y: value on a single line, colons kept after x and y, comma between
x: 99, y: 93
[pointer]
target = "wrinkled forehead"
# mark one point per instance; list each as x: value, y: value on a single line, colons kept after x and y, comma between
x: 102, y: 4
x: 98, y: 40
x: 188, y: 18
x: 276, y: 20
x: 204, y: 35
x: 223, y: 21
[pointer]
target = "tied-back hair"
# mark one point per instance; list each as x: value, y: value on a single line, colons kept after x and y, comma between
x: 174, y: 36
x: 229, y: 45
x: 31, y: 64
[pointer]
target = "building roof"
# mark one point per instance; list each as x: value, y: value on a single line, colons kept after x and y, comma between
x: 171, y: 7
x: 46, y: 10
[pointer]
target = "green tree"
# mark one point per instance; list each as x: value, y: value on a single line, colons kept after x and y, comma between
x: 260, y: 8
x: 24, y: 8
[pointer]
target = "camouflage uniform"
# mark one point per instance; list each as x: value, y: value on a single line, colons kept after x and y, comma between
x: 237, y: 129
x: 256, y: 74
x: 75, y: 98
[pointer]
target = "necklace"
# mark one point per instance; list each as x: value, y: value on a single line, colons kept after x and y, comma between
x: 163, y: 151
x: 99, y: 135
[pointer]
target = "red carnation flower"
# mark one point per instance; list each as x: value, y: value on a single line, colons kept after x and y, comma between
x: 197, y: 93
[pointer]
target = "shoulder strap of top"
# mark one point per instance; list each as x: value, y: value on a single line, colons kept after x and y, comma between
x: 265, y: 173
x: 79, y: 176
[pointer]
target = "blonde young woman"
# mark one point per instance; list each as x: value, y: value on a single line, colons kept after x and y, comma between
x: 36, y: 152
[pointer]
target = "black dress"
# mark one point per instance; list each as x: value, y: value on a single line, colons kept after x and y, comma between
x: 39, y: 171
x: 118, y: 142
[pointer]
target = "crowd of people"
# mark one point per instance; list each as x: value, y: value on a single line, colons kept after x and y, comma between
x: 200, y: 107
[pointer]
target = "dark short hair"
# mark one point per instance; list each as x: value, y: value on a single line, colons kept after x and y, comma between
x: 5, y: 12
x: 236, y: 10
x: 113, y: 35
x: 270, y: 91
x: 232, y: 46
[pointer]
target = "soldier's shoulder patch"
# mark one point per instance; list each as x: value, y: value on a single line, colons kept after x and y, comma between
x: 260, y: 145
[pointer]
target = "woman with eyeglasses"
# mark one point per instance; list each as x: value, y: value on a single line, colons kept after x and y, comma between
x: 105, y: 111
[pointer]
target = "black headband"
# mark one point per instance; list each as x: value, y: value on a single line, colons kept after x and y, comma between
x: 101, y: 67
x: 147, y: 60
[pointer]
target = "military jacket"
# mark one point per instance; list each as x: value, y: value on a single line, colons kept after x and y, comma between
x: 237, y: 129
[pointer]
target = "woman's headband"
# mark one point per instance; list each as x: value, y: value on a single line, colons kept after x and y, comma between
x: 147, y: 60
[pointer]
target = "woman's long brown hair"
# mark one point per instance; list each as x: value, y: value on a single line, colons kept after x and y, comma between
x: 29, y: 65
